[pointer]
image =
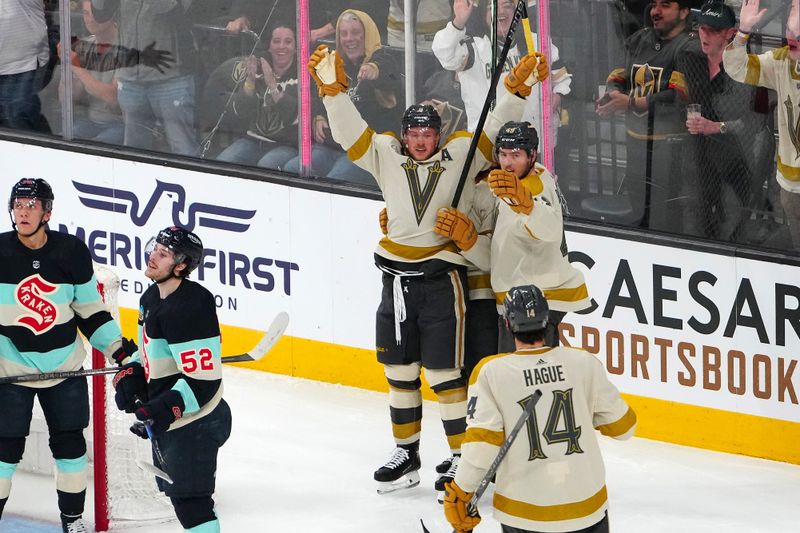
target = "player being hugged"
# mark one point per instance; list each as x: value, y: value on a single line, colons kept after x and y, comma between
x: 49, y: 292
x: 420, y: 319
x: 552, y: 477
x: 173, y: 384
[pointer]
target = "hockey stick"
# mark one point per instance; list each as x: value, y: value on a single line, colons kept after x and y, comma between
x: 472, y: 506
x: 147, y: 467
x: 267, y: 342
x: 498, y: 69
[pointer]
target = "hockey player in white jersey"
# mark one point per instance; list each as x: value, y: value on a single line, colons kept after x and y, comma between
x: 420, y: 320
x: 552, y: 478
x: 465, y: 47
x: 527, y: 245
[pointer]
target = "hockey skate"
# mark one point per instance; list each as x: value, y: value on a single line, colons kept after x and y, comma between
x: 73, y: 524
x: 400, y: 472
x: 447, y: 476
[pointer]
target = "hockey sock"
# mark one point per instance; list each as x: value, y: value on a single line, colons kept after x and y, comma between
x: 448, y: 384
x: 405, y: 402
x: 2, y: 505
x: 208, y: 527
x: 195, y: 512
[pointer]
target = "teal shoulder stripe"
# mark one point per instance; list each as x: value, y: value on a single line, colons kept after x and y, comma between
x: 189, y: 399
x: 41, y: 361
x: 62, y: 296
x: 105, y: 335
x: 211, y: 343
x: 87, y: 292
x: 157, y: 349
x: 71, y: 466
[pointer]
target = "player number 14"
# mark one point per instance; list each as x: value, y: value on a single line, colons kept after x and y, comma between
x: 561, y: 409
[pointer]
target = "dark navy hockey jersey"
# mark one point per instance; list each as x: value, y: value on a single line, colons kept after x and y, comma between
x: 179, y: 347
x: 46, y: 296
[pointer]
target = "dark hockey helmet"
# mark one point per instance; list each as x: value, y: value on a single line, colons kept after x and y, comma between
x: 32, y: 188
x: 422, y: 116
x: 187, y: 246
x: 517, y: 135
x: 525, y: 309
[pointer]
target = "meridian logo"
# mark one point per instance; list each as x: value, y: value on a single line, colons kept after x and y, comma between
x: 196, y: 214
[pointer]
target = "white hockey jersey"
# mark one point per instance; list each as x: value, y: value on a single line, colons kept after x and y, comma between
x: 472, y: 59
x: 431, y: 16
x: 553, y: 477
x: 415, y: 190
x: 530, y: 249
x: 779, y: 72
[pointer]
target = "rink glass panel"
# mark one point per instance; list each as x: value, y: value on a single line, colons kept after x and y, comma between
x: 731, y: 197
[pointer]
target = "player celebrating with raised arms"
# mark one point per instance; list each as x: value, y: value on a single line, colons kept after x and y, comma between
x: 173, y: 384
x: 552, y: 477
x: 48, y: 292
x: 528, y: 244
x: 420, y: 319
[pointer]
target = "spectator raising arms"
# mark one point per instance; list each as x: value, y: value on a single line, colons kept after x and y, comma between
x: 374, y: 75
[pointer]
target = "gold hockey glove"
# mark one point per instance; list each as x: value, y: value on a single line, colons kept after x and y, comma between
x: 327, y: 69
x: 530, y: 70
x: 455, y: 225
x: 455, y: 508
x: 383, y: 220
x: 506, y: 186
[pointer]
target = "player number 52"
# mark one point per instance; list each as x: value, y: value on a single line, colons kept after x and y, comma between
x: 191, y: 360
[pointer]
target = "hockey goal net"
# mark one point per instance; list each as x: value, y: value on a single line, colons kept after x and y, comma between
x: 124, y: 495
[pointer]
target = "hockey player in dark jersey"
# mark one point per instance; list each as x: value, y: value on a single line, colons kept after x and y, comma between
x: 173, y: 384
x: 48, y: 292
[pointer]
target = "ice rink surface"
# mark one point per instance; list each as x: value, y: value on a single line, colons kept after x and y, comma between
x: 302, y: 454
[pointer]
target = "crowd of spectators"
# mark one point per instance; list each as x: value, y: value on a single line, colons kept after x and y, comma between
x: 219, y: 80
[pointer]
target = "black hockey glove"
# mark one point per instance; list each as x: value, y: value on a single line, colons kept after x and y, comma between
x: 139, y: 430
x: 127, y: 349
x: 130, y: 385
x: 162, y: 411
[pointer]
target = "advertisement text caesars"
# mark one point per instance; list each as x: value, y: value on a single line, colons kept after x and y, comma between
x: 668, y: 361
x: 739, y: 310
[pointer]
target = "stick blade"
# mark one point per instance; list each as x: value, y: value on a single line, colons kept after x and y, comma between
x: 154, y: 470
x: 267, y: 342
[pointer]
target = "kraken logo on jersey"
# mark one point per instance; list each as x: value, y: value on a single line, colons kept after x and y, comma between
x: 793, y: 125
x: 31, y: 294
x: 421, y: 198
x: 646, y: 81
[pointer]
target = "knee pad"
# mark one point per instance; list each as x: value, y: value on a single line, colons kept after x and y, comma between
x: 68, y: 444
x: 11, y: 449
x: 404, y: 377
x: 192, y: 512
x: 444, y: 379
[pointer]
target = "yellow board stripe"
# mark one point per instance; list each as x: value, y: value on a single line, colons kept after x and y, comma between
x: 551, y: 513
x: 620, y: 427
x: 679, y: 423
